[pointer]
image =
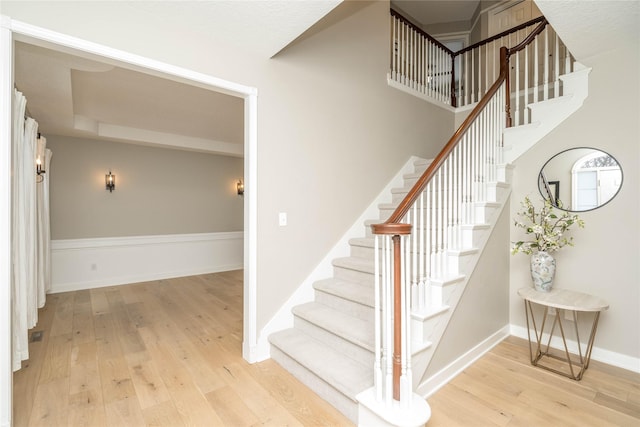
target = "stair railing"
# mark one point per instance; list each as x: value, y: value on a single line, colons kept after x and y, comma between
x: 411, y: 246
x: 423, y: 64
x: 419, y: 61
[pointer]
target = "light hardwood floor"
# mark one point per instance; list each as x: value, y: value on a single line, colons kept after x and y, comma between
x: 168, y: 353
x: 161, y: 353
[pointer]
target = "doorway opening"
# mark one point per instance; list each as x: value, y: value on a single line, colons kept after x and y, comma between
x: 16, y: 31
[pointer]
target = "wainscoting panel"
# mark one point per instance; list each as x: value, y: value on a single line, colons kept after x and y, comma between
x: 93, y: 263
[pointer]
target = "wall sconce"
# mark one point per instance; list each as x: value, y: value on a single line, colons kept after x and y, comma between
x: 39, y: 170
x: 41, y: 145
x: 110, y: 182
x: 240, y: 187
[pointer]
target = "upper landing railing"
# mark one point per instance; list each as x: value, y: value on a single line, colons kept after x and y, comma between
x: 425, y: 65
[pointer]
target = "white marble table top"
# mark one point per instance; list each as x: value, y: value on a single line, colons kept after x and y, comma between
x: 564, y: 299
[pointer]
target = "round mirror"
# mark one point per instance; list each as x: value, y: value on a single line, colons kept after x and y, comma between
x: 580, y: 179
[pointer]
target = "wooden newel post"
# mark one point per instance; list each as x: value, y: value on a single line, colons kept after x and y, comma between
x: 396, y: 231
x: 397, y: 316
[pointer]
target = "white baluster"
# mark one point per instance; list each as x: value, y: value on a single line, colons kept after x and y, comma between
x: 516, y: 112
x: 414, y: 256
x: 389, y: 322
x: 545, y: 35
x: 525, y: 111
x: 486, y: 70
x: 421, y: 230
x: 556, y: 65
x: 404, y: 325
x: 377, y: 368
x: 536, y: 52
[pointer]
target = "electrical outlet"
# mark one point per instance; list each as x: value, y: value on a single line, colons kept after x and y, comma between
x: 94, y: 267
x: 568, y: 315
x: 552, y: 311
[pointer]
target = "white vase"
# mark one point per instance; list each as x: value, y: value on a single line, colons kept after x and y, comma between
x: 543, y: 270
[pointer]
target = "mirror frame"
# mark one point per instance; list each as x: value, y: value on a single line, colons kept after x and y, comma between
x: 557, y: 184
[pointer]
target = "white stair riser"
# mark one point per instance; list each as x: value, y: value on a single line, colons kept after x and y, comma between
x: 323, y: 389
x: 484, y: 212
x: 421, y: 330
x: 461, y: 263
x: 350, y: 275
x: 472, y: 236
x: 344, y: 346
x: 440, y: 294
x: 356, y: 309
x: 360, y: 251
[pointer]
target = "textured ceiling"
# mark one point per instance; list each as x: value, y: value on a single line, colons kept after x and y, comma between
x: 427, y: 12
x: 72, y: 96
x: 592, y: 27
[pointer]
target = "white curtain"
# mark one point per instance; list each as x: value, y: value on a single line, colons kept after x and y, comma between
x: 30, y: 230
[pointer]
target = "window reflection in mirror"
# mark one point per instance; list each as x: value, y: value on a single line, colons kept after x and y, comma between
x: 580, y: 179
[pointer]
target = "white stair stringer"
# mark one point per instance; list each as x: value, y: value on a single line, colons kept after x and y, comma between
x: 331, y: 346
x: 446, y: 292
x: 546, y: 115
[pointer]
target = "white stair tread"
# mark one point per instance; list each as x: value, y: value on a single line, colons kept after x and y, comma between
x: 352, y: 329
x: 344, y: 374
x: 355, y: 263
x: 365, y: 242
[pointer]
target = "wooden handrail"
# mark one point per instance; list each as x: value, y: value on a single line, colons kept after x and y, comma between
x: 391, y: 225
x: 502, y: 34
x: 529, y: 38
x: 453, y: 54
x: 420, y: 185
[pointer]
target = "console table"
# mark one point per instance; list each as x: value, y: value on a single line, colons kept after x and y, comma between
x: 559, y: 300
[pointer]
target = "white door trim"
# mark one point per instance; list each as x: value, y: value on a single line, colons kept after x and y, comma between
x: 6, y: 97
x: 12, y: 29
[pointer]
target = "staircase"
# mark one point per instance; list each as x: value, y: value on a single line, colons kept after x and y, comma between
x: 331, y: 346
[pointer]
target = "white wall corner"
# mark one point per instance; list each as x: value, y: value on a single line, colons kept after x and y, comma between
x: 283, y: 319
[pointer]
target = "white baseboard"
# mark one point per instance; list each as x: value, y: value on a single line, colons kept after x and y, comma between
x: 441, y: 378
x: 601, y: 355
x: 92, y: 263
x: 283, y: 319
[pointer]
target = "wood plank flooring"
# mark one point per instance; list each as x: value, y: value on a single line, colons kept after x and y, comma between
x: 168, y: 353
x: 503, y: 389
x: 161, y: 353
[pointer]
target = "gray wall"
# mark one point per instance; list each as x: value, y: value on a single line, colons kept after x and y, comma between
x: 331, y: 132
x: 604, y: 260
x: 158, y: 191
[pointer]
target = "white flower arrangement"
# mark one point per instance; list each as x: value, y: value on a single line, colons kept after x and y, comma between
x: 547, y: 228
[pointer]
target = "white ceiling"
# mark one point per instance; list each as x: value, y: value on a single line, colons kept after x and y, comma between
x: 591, y: 27
x: 72, y: 96
x: 427, y: 12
